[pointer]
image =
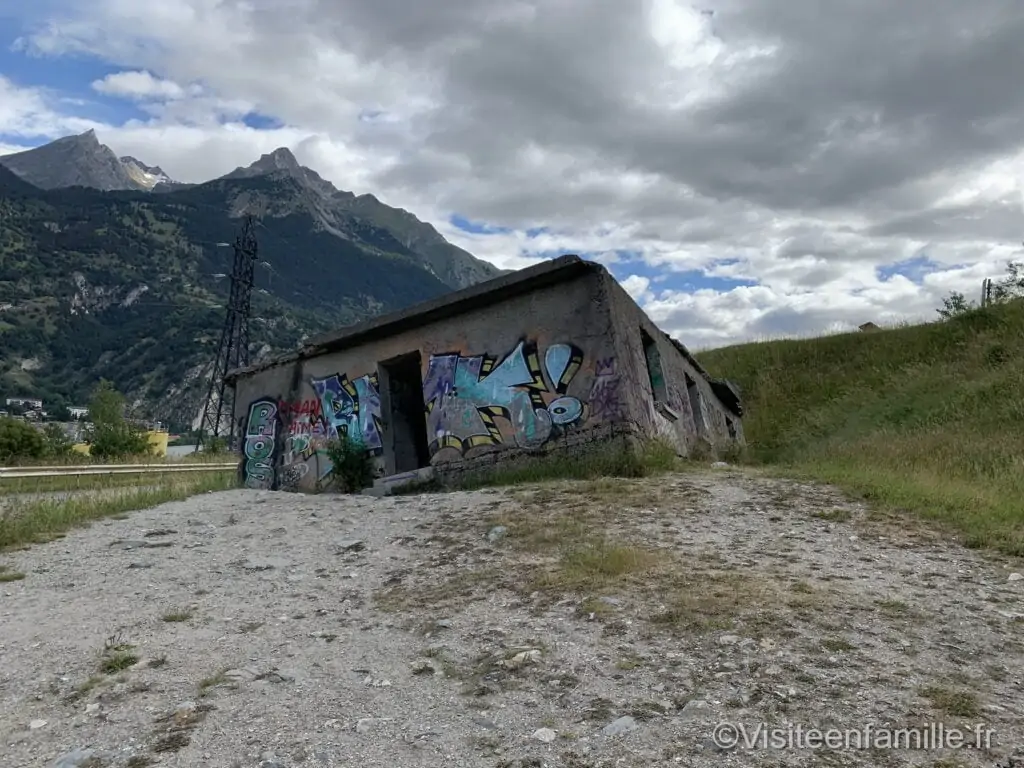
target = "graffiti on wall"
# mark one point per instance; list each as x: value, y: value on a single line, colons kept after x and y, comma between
x: 304, y: 436
x: 351, y: 408
x: 260, y: 437
x: 340, y: 406
x: 465, y: 395
x: 605, y: 394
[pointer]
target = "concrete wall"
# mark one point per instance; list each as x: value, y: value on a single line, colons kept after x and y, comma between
x: 666, y: 395
x: 529, y: 373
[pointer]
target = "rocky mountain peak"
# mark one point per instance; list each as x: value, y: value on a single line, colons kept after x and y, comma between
x: 79, y: 160
x: 280, y: 159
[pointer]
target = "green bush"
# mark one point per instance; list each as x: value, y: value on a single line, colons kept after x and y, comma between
x: 111, y: 435
x: 58, y: 444
x: 351, y: 464
x: 19, y: 440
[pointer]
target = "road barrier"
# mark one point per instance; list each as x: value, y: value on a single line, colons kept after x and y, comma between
x: 112, y: 469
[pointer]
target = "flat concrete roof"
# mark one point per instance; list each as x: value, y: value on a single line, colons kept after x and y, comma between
x: 447, y: 305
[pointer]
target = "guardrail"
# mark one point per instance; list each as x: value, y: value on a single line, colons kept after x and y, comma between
x: 112, y: 469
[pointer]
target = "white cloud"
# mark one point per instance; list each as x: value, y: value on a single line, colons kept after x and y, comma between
x: 762, y: 142
x: 140, y: 86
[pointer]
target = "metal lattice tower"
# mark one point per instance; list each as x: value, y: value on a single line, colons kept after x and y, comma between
x: 233, y: 351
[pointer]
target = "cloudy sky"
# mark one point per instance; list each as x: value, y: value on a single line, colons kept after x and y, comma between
x: 746, y: 168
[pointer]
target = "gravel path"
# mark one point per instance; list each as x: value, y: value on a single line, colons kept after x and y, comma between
x: 610, y: 623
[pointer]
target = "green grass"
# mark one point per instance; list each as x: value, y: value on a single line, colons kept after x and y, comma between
x: 38, y: 521
x: 927, y: 419
x: 20, y: 485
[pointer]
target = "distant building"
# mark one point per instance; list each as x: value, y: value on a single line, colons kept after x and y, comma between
x: 869, y: 327
x: 556, y: 358
x: 78, y: 412
x: 28, y: 403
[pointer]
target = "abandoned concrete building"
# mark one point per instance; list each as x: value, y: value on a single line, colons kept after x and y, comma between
x: 552, y: 358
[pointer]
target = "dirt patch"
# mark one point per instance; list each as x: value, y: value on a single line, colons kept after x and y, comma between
x: 601, y: 623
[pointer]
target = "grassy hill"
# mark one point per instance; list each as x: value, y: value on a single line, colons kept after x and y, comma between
x: 926, y: 418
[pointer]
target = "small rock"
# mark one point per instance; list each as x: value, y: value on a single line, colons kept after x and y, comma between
x: 545, y: 735
x: 728, y: 640
x: 35, y: 725
x: 719, y: 465
x: 694, y: 708
x: 497, y: 533
x: 351, y: 545
x: 522, y: 659
x: 78, y: 758
x: 620, y: 726
x: 363, y: 725
x: 423, y: 667
x: 443, y: 623
x: 91, y: 708
x: 1015, y: 577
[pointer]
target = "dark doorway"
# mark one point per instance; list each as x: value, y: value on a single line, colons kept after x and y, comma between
x: 401, y: 384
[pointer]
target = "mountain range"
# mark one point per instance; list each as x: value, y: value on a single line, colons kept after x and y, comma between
x: 109, y: 268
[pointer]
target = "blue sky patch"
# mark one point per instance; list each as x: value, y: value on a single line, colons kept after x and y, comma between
x: 476, y: 227
x: 261, y: 122
x: 66, y: 78
x: 914, y: 269
x: 688, y: 281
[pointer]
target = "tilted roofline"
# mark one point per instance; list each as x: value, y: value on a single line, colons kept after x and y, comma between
x: 482, y: 294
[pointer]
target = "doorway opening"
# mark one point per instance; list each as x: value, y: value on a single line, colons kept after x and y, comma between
x: 401, y: 384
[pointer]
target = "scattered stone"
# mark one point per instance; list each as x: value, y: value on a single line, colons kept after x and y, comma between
x: 35, y: 725
x: 694, y: 708
x: 377, y: 683
x: 363, y: 725
x: 1015, y: 577
x: 497, y: 533
x: 443, y: 624
x: 351, y: 545
x: 264, y: 563
x: 522, y: 659
x: 78, y: 758
x: 545, y: 735
x: 719, y: 464
x: 728, y: 639
x: 92, y: 708
x: 423, y: 667
x: 618, y: 727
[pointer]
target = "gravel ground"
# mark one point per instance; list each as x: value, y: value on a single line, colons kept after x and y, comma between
x: 609, y: 623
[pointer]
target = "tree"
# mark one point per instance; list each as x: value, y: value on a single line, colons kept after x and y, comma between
x: 1009, y: 288
x: 60, y: 413
x: 111, y: 434
x: 1012, y: 286
x: 955, y: 304
x: 58, y: 444
x: 20, y: 441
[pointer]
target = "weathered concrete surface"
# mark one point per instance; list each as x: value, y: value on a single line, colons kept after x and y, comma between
x: 329, y: 631
x: 551, y: 369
